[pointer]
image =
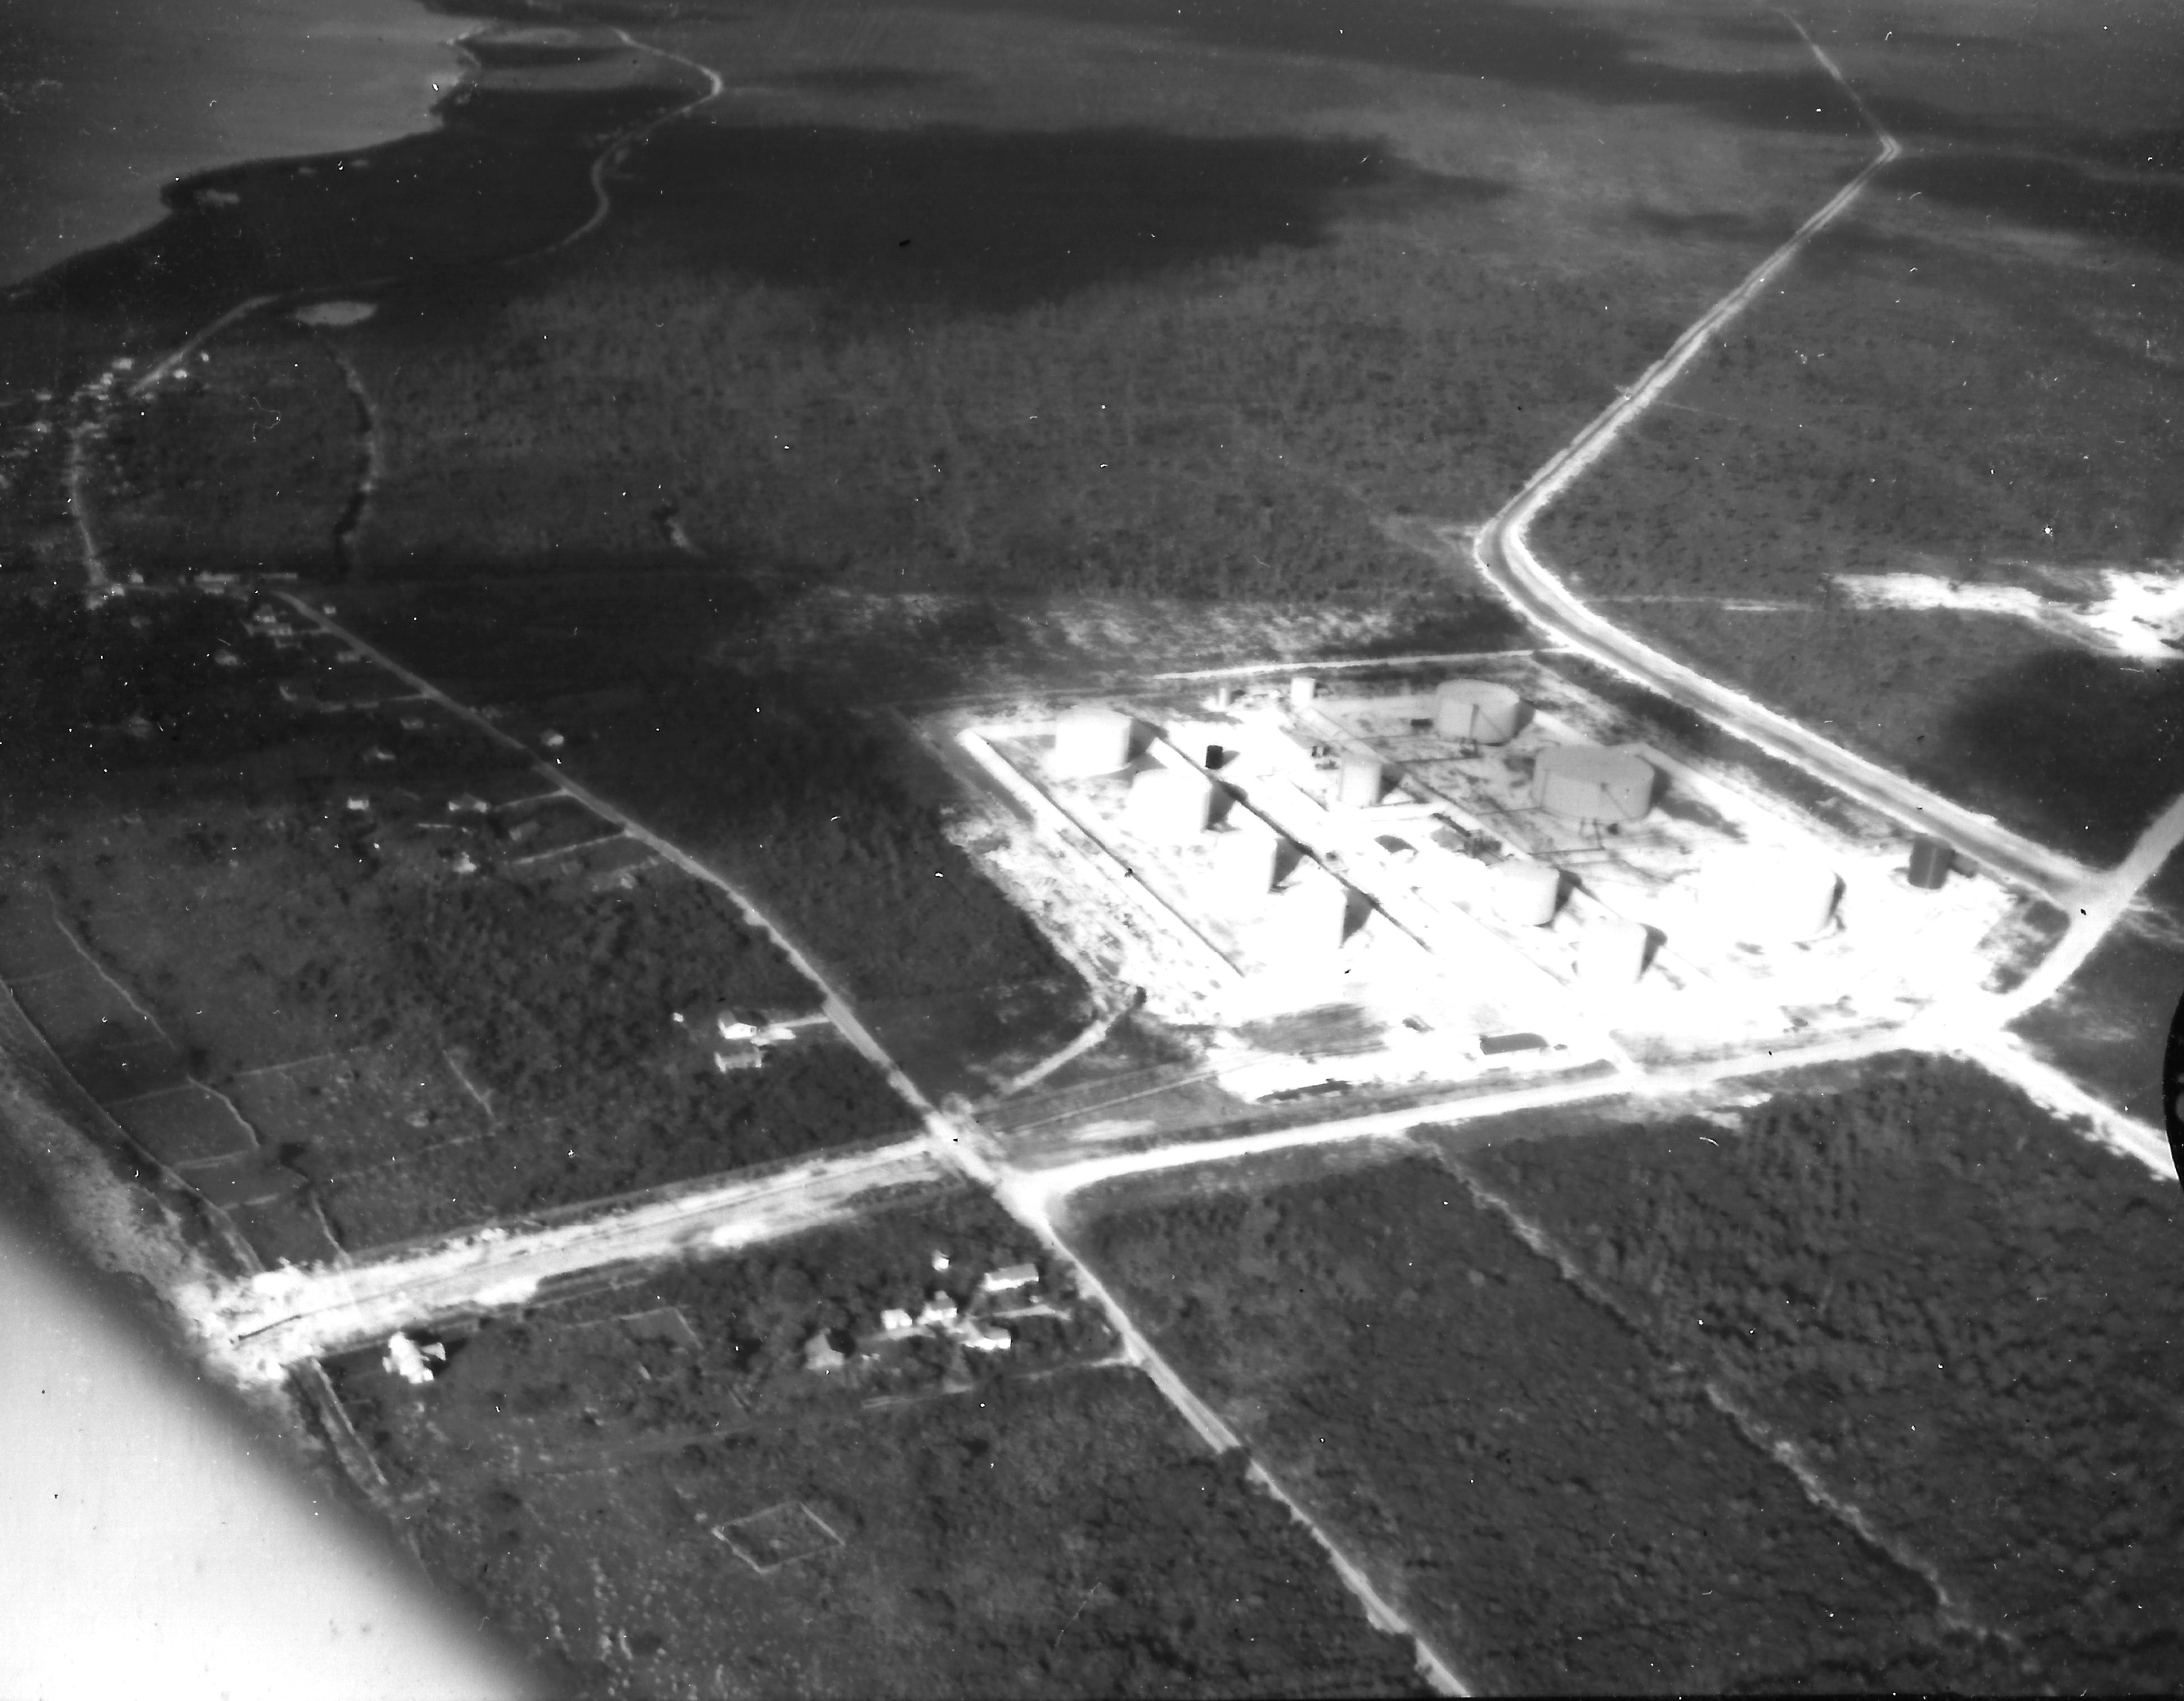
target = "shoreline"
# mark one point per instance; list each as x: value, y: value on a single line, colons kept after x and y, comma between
x: 95, y: 138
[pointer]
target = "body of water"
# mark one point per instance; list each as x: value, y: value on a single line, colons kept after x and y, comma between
x: 105, y: 102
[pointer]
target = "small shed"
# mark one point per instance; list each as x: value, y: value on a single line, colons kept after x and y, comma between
x: 1009, y: 1279
x: 1479, y: 710
x: 1590, y: 783
x: 1932, y: 859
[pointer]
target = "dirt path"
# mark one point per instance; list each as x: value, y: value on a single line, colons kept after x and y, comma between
x: 284, y: 1316
x: 370, y: 464
x: 612, y: 155
x: 2101, y: 904
x: 86, y: 429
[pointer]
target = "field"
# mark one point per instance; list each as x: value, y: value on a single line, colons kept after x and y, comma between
x: 281, y: 889
x: 1559, y: 1507
x: 651, y: 1484
x: 1958, y: 1308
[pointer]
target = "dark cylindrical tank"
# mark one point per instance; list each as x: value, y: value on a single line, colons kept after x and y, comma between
x: 1931, y: 861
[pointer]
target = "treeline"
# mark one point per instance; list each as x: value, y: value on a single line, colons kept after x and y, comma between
x: 1961, y: 1307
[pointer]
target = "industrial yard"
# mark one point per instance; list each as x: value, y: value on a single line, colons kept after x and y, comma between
x: 1386, y: 876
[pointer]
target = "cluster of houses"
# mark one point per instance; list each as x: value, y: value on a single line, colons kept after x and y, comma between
x: 1004, y: 1295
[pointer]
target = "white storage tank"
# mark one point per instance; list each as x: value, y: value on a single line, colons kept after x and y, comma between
x: 1769, y: 897
x: 1319, y: 913
x: 1092, y: 738
x: 1478, y: 710
x: 1612, y: 953
x: 1525, y: 895
x: 1587, y: 783
x: 1361, y: 781
x: 1253, y: 855
x: 1170, y: 803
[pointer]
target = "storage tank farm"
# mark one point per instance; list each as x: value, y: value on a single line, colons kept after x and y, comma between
x: 1585, y: 783
x: 1478, y: 711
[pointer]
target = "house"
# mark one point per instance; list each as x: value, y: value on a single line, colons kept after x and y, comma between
x: 1010, y: 1279
x: 412, y: 1363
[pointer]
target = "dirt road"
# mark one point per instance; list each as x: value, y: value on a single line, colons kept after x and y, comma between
x: 1502, y: 554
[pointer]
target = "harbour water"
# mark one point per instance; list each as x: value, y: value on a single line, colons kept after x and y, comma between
x: 105, y: 102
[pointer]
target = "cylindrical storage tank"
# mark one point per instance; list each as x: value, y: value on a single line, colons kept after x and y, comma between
x: 1478, y: 710
x: 1169, y: 803
x: 1303, y: 689
x: 1321, y: 913
x: 1612, y: 953
x: 1932, y: 859
x: 1769, y: 897
x: 1361, y: 782
x: 1224, y: 697
x: 1251, y: 855
x: 1092, y: 738
x: 1525, y: 894
x: 1586, y: 783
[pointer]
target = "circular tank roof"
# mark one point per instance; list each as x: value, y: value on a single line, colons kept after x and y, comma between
x: 1481, y: 710
x: 1587, y: 783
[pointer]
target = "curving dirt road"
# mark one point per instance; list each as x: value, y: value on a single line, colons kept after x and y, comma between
x: 1504, y: 555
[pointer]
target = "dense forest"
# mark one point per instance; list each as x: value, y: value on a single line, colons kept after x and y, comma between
x: 1963, y: 1308
x: 1237, y: 437
x: 1561, y: 1507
